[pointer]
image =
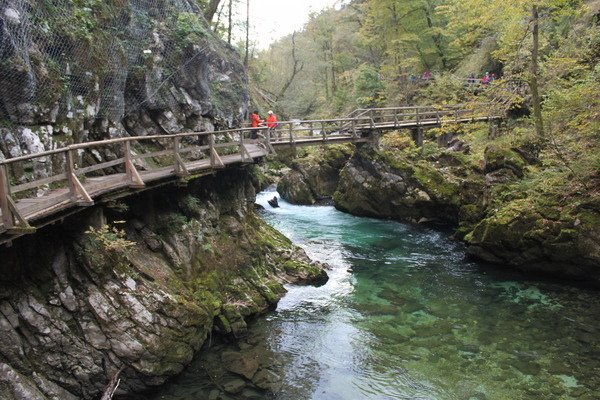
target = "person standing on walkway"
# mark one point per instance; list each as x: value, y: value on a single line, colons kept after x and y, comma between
x: 255, y: 122
x: 271, y: 122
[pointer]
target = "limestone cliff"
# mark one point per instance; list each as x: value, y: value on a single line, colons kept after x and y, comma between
x: 490, y: 203
x: 141, y: 293
x: 90, y: 70
x: 315, y: 176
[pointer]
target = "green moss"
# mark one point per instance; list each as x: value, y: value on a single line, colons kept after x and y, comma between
x: 497, y: 157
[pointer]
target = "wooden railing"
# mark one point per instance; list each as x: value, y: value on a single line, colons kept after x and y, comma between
x: 171, y: 153
x: 126, y: 163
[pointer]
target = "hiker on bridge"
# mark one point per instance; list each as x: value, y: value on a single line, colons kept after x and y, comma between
x: 272, y: 122
x: 255, y: 122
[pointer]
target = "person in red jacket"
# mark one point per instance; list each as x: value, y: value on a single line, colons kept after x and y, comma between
x: 255, y: 122
x: 272, y: 122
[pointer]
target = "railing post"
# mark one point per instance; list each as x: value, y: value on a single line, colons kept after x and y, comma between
x: 323, y: 133
x: 396, y: 122
x: 354, y: 129
x: 215, y: 160
x: 70, y: 169
x: 291, y: 130
x: 176, y: 166
x: 10, y: 212
x: 7, y: 217
x: 417, y: 115
x: 133, y: 177
x: 78, y: 193
x: 267, y: 135
x: 179, y: 167
x: 310, y: 126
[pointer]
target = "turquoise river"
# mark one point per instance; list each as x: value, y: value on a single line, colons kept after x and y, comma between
x: 404, y: 316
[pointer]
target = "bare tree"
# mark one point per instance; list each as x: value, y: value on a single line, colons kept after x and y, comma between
x: 296, y: 68
x: 211, y: 9
x: 533, y: 79
x: 230, y: 17
x: 247, y: 57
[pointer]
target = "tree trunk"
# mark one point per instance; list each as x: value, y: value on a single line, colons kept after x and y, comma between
x: 247, y: 57
x: 296, y: 68
x: 211, y: 9
x: 533, y: 80
x: 230, y: 23
x: 437, y: 39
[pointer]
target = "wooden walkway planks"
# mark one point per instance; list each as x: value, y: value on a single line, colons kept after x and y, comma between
x: 359, y: 127
x: 58, y: 200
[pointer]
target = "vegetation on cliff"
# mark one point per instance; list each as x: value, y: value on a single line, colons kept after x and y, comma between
x: 78, y: 303
x: 524, y: 192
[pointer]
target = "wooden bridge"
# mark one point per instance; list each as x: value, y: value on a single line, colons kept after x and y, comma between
x: 30, y: 198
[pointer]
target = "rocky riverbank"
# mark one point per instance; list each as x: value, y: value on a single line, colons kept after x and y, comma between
x: 494, y: 195
x: 141, y: 293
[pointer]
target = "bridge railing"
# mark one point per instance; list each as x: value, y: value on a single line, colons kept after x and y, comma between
x: 310, y: 130
x: 424, y: 115
x: 121, y: 159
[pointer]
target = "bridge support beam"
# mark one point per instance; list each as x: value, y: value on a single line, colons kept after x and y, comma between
x: 12, y: 219
x: 375, y: 138
x: 78, y: 193
x: 270, y: 148
x: 215, y: 160
x: 180, y: 169
x: 133, y: 177
x: 417, y: 136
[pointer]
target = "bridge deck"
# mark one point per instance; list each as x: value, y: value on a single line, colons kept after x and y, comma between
x: 59, y: 200
x: 20, y: 207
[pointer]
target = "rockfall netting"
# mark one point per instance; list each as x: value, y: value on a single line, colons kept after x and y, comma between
x: 80, y: 65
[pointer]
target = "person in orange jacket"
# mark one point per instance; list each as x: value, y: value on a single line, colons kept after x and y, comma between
x: 255, y: 122
x: 272, y: 121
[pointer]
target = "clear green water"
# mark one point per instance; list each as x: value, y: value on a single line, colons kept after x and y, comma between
x: 403, y: 316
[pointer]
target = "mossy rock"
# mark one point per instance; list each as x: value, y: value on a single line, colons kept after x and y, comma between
x: 294, y: 189
x: 498, y: 157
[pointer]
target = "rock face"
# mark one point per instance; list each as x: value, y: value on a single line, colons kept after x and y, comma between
x: 77, y: 304
x: 534, y: 233
x: 316, y: 176
x: 540, y: 237
x: 384, y: 184
x: 71, y: 74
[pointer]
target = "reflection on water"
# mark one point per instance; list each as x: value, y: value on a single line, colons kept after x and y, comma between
x: 403, y: 316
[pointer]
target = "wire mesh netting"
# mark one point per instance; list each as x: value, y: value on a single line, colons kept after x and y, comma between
x: 102, y: 59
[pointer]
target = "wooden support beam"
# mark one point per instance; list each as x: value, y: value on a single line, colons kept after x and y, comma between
x: 246, y: 157
x: 22, y: 226
x: 82, y: 197
x: 78, y: 193
x: 180, y: 168
x: 7, y: 217
x: 13, y: 221
x: 215, y: 160
x: 269, y: 145
x: 134, y: 179
x: 291, y: 130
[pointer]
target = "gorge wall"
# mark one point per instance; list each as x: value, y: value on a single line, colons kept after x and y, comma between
x: 78, y: 304
x: 479, y: 198
x: 94, y: 70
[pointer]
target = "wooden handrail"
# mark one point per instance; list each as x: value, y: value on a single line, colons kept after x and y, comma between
x: 176, y: 146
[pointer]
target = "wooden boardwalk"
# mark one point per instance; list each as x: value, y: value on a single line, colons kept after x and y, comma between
x: 29, y: 201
